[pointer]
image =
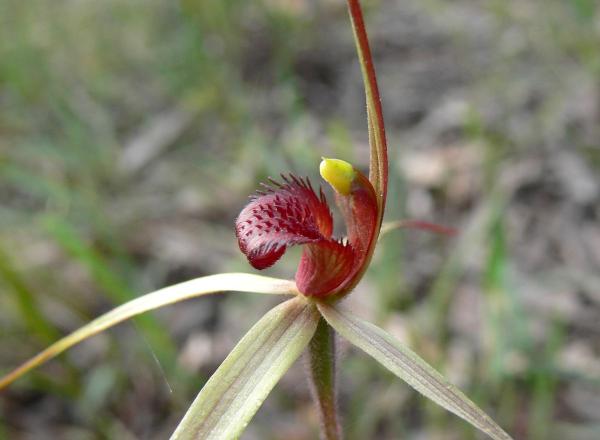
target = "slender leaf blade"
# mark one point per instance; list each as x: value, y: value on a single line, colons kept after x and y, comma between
x: 241, y: 282
x: 25, y: 299
x: 408, y: 366
x: 238, y: 388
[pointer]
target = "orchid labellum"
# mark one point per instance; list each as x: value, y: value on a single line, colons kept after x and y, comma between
x: 286, y: 213
x: 291, y: 213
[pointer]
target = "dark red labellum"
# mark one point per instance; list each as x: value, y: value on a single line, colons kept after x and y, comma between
x: 291, y: 213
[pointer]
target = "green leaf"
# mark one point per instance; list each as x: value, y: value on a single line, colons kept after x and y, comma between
x: 241, y: 282
x: 408, y: 366
x: 236, y: 391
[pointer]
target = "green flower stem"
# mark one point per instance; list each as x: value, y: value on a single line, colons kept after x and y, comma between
x: 322, y: 379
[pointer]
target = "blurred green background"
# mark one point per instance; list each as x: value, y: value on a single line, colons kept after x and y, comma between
x: 131, y: 133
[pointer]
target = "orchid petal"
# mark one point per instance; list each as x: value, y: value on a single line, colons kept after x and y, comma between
x: 241, y: 282
x: 408, y: 366
x: 238, y: 388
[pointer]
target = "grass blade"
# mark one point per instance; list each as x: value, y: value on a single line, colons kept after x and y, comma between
x: 240, y: 282
x: 408, y: 366
x: 236, y: 391
x: 25, y: 299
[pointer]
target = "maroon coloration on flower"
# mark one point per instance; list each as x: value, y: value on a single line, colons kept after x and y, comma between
x: 291, y: 213
x: 286, y: 214
x: 324, y: 266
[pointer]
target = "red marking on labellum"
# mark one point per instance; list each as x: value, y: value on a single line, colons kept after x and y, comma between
x: 288, y: 213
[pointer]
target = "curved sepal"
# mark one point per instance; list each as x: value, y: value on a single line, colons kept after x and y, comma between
x: 409, y: 367
x: 378, y: 168
x: 238, y: 388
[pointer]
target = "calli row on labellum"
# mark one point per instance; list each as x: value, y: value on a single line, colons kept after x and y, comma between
x: 291, y: 213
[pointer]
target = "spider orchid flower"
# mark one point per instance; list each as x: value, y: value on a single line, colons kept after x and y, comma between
x: 291, y: 213
x: 284, y: 214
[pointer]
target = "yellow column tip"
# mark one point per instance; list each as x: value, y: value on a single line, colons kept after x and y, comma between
x: 338, y: 173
